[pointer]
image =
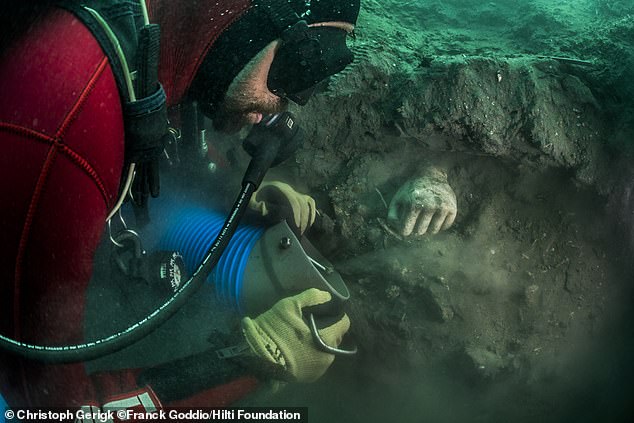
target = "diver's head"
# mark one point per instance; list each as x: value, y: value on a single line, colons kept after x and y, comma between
x: 277, y: 52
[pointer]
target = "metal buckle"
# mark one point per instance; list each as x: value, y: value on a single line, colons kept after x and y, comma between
x: 241, y: 349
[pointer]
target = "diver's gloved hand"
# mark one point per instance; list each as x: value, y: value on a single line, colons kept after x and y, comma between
x: 282, y: 337
x: 424, y: 204
x: 277, y: 201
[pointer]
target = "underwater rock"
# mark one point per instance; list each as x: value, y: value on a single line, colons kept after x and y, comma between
x: 481, y: 364
x: 437, y: 302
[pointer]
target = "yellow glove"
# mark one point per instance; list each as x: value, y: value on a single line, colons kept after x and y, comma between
x: 279, y: 200
x: 281, y: 336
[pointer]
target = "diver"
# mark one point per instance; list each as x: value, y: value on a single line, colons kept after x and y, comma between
x: 65, y: 127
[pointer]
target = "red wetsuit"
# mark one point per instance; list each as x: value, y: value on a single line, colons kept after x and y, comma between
x: 62, y: 140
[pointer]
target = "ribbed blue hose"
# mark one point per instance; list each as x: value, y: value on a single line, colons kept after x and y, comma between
x: 3, y: 408
x: 191, y: 231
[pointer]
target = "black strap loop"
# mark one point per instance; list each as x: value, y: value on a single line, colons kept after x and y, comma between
x: 145, y: 127
x: 132, y: 48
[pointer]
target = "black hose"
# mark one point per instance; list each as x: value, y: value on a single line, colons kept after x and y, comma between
x: 113, y: 343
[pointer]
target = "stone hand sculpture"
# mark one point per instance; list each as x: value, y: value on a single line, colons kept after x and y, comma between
x: 426, y: 204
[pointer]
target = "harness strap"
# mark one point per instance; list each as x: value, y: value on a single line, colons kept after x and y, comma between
x: 132, y: 48
x: 122, y: 18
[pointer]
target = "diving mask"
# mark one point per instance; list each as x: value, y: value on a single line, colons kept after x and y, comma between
x: 307, y: 56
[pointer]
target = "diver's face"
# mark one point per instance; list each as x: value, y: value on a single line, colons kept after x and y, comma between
x: 246, y: 107
x: 248, y: 98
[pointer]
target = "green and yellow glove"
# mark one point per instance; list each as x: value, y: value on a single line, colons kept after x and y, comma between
x: 281, y: 336
x: 278, y: 201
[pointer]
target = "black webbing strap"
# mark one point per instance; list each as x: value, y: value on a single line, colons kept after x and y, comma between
x: 123, y: 17
x: 144, y: 110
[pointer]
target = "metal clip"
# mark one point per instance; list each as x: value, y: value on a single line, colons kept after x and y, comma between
x: 233, y: 351
x: 322, y: 345
x: 172, y: 149
x: 124, y: 257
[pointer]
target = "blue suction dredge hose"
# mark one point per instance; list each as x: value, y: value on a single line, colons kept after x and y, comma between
x: 192, y: 234
x: 269, y: 143
x: 3, y: 407
x: 134, y: 333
